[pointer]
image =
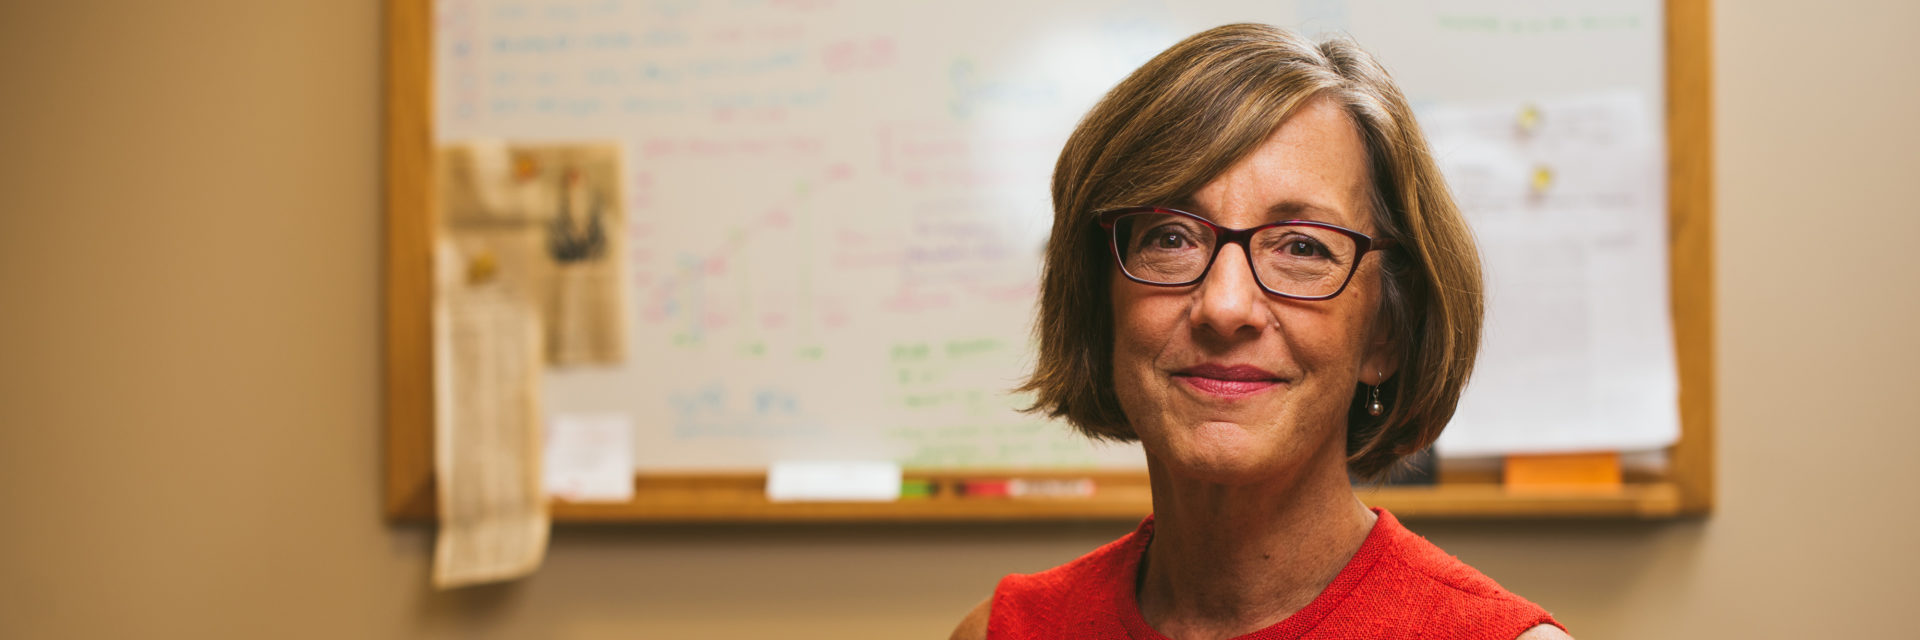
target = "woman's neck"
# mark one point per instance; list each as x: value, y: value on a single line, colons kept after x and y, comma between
x: 1227, y: 560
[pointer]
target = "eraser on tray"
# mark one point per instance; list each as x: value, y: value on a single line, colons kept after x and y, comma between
x: 824, y: 481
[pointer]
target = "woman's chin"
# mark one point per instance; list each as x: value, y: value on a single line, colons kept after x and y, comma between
x: 1223, y: 453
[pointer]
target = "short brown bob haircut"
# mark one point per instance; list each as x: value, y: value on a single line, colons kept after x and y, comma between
x: 1187, y: 116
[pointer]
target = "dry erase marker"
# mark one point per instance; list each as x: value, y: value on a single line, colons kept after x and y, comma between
x: 982, y: 488
x: 1051, y: 488
x: 918, y: 489
x: 1027, y: 488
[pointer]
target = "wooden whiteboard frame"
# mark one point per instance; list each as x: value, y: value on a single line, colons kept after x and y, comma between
x: 411, y: 216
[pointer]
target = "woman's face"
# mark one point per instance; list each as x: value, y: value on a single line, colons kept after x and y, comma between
x: 1227, y: 383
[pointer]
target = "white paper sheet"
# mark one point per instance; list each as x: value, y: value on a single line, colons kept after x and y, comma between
x: 589, y: 457
x: 1567, y: 198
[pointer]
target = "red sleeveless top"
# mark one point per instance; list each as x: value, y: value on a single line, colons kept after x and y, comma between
x: 1397, y: 585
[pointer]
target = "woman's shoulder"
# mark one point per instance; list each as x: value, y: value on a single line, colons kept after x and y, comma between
x: 1542, y: 632
x: 1425, y: 583
x: 1089, y: 591
x: 974, y: 626
x: 1110, y: 563
x: 1097, y: 575
x: 1412, y: 558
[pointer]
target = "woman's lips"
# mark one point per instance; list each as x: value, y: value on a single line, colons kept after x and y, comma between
x: 1228, y: 381
x: 1226, y: 388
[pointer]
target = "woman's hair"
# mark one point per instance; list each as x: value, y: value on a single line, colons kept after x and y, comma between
x: 1186, y: 117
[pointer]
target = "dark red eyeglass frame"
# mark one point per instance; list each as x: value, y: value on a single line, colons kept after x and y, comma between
x: 1363, y: 244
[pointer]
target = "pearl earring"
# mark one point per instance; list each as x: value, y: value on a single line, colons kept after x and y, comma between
x: 1374, y: 407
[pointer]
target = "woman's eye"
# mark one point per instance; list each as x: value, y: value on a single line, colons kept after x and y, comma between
x: 1303, y: 248
x: 1168, y: 238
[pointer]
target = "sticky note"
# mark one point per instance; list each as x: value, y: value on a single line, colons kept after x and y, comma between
x: 1559, y: 472
x: 833, y: 481
x: 589, y: 457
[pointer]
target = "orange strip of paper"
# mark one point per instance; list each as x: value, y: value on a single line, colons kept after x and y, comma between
x: 1582, y: 472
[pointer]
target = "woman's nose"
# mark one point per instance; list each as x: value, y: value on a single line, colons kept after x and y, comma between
x: 1230, y: 299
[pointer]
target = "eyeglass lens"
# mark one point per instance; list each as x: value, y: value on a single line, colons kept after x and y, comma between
x: 1298, y: 260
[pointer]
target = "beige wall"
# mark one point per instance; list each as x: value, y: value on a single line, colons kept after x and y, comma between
x: 190, y: 395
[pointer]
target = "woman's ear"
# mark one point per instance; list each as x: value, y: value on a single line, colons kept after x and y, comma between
x: 1382, y: 359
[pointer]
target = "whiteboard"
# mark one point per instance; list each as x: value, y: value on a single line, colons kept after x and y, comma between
x: 838, y: 207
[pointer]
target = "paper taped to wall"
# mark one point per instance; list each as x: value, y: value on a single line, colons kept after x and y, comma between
x: 589, y: 457
x: 1566, y: 197
x: 555, y: 215
x: 493, y: 512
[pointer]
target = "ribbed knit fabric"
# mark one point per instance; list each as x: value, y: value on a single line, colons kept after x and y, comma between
x: 1397, y: 585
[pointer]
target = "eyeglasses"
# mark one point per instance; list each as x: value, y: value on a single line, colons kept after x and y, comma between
x: 1298, y: 259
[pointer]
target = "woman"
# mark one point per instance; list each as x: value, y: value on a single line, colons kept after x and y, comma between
x: 1257, y: 272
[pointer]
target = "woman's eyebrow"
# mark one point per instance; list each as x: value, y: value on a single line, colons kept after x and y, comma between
x: 1303, y: 210
x: 1288, y: 209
